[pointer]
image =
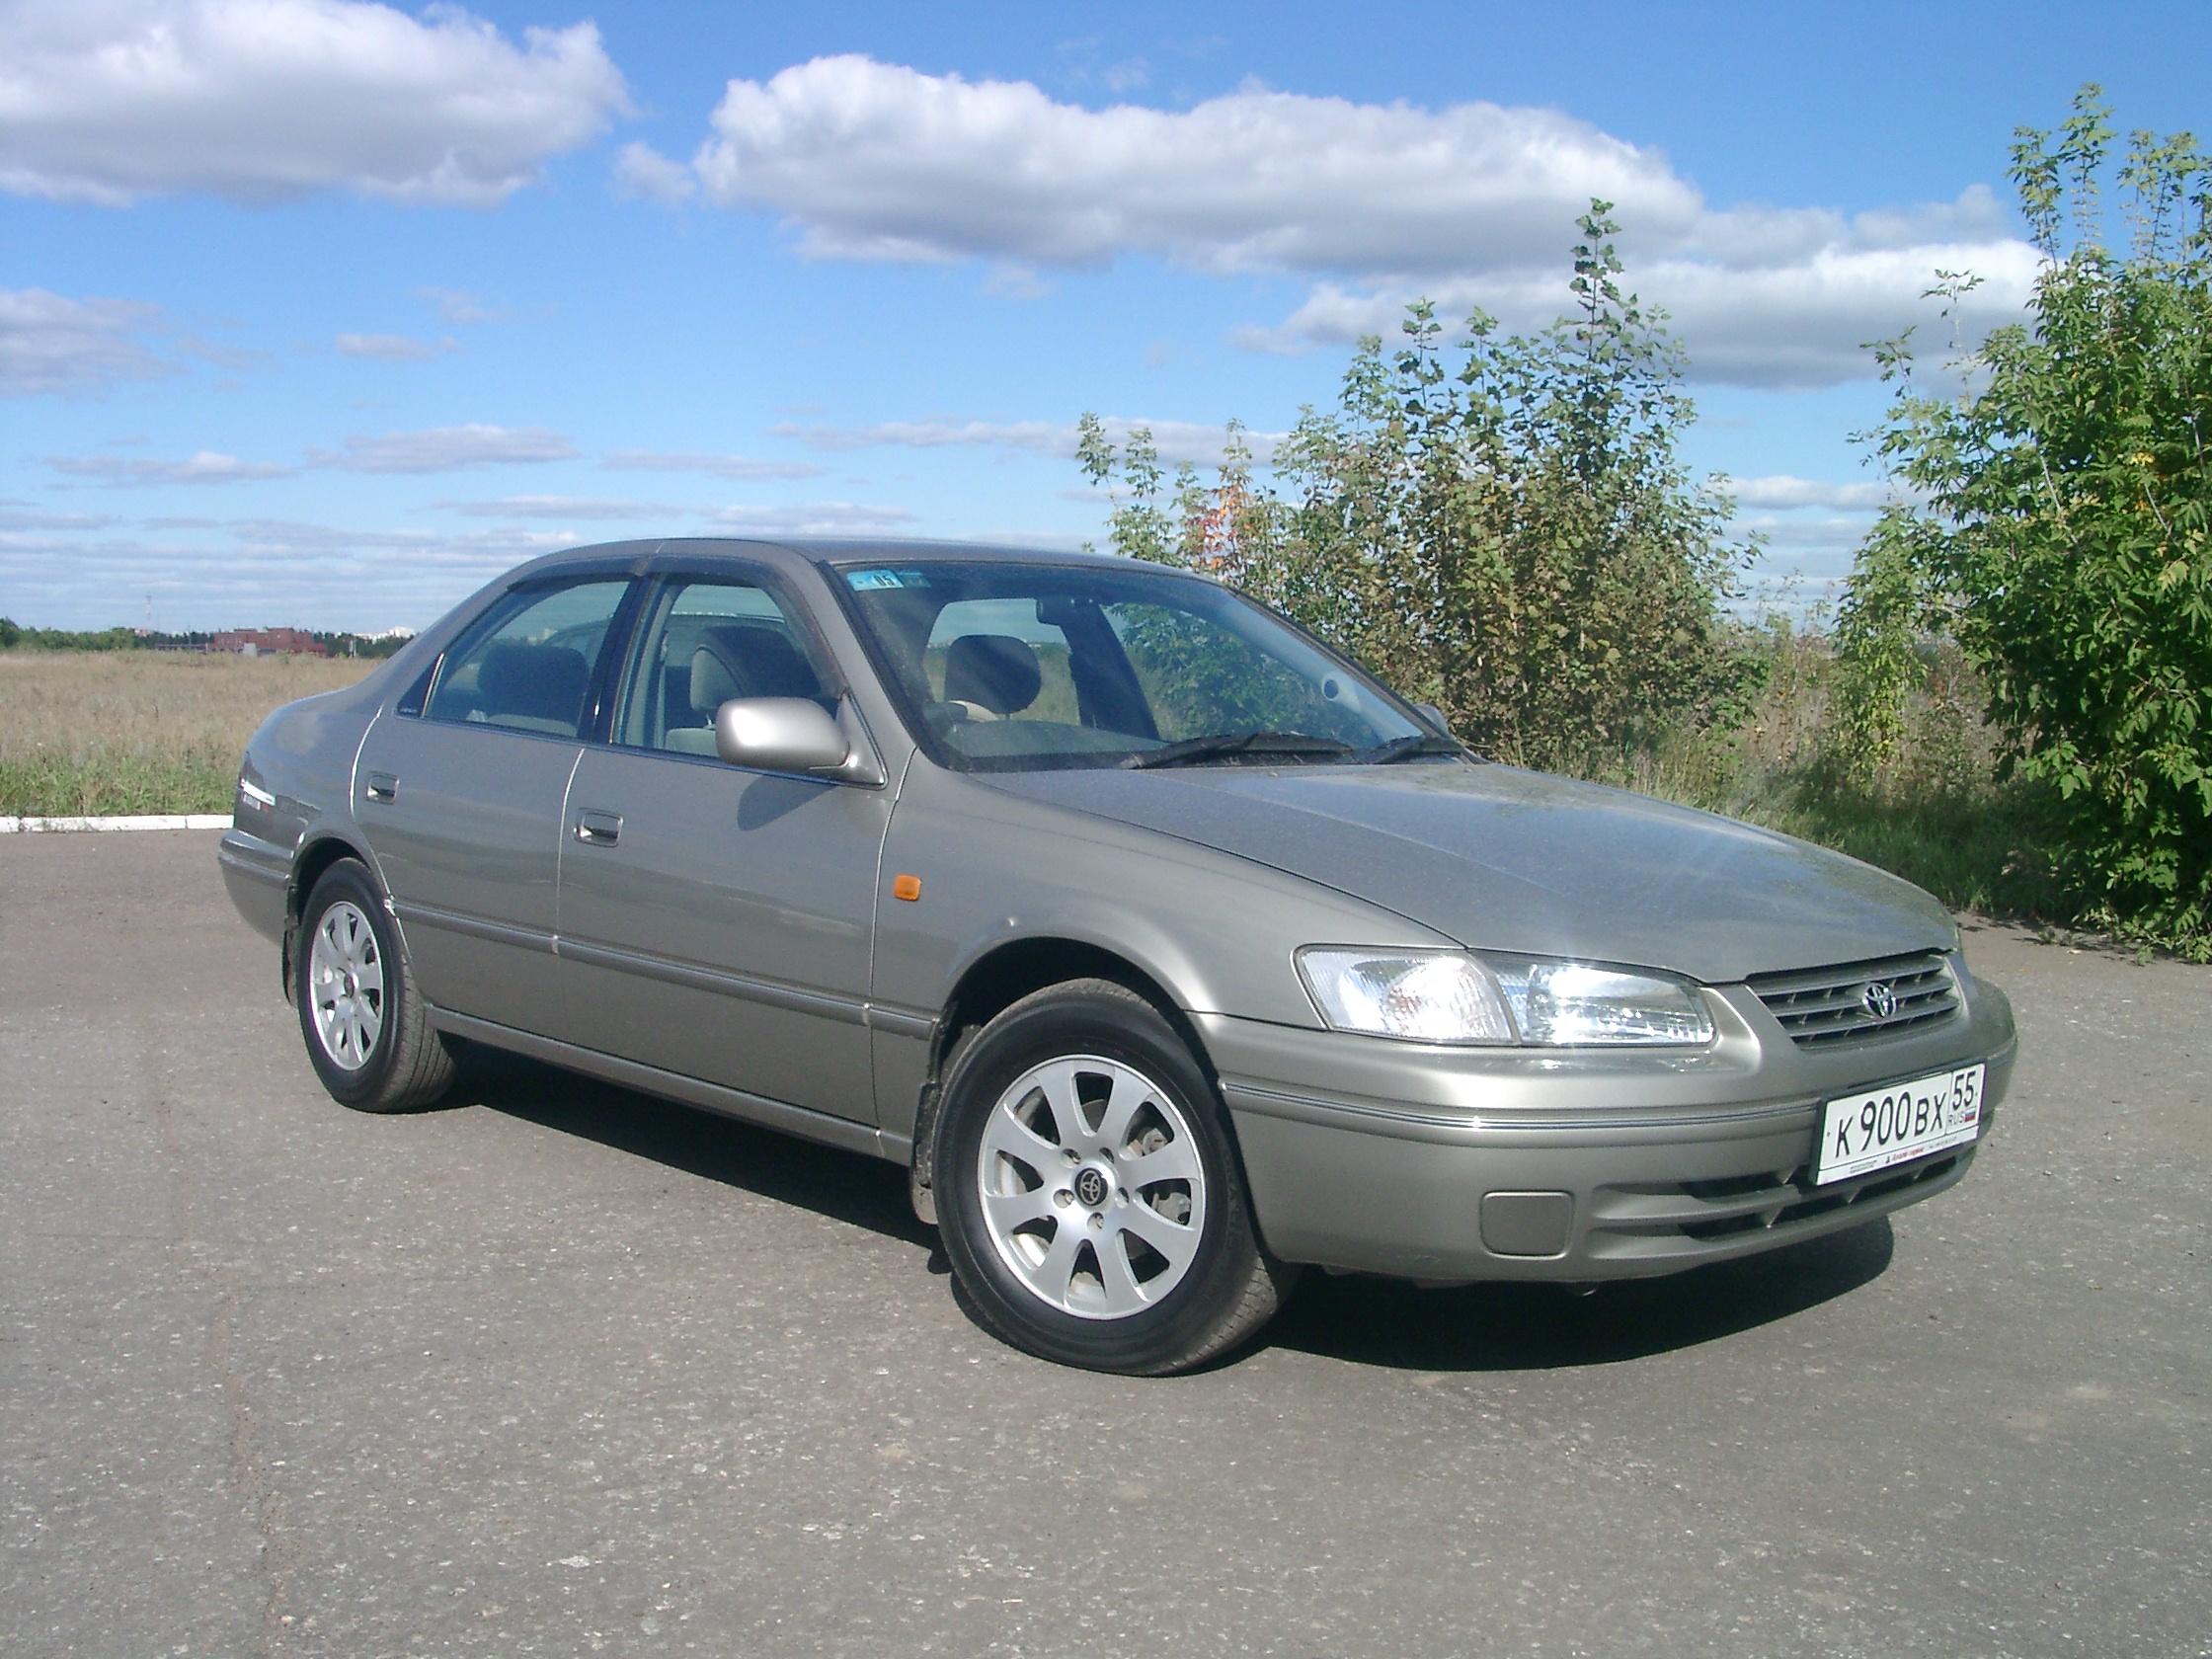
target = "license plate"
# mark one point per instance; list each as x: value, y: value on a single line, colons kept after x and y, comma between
x: 1897, y: 1122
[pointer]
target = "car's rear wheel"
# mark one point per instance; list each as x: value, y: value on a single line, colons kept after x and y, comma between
x: 368, y: 1034
x: 1088, y: 1191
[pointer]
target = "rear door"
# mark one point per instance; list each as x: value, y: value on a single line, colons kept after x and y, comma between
x: 715, y: 922
x: 461, y: 802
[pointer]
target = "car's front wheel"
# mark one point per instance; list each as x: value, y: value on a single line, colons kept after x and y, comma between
x: 1089, y: 1192
x: 368, y: 1034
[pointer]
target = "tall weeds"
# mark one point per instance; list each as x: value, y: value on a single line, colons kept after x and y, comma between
x: 1932, y: 809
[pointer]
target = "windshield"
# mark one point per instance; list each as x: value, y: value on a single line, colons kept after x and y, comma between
x: 1013, y: 668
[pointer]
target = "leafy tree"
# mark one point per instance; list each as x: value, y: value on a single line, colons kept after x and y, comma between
x: 1139, y: 527
x: 2059, y: 532
x: 1510, y: 536
x: 12, y: 635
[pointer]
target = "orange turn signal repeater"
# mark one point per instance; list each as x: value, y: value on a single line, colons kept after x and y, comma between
x: 908, y: 888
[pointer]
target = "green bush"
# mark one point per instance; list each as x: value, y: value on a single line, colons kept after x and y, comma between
x: 12, y: 635
x: 1510, y: 536
x: 2058, y: 530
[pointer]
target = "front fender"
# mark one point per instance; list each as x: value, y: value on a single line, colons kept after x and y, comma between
x: 1216, y: 932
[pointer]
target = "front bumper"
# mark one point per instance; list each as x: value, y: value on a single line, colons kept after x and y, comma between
x: 1458, y: 1164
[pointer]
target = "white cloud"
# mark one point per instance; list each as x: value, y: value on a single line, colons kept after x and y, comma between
x: 1781, y: 491
x: 50, y: 343
x: 810, y: 518
x: 225, y: 357
x: 1828, y: 533
x: 446, y: 449
x: 109, y: 100
x: 460, y: 305
x: 1044, y: 437
x: 289, y: 537
x: 327, y: 576
x: 721, y: 466
x: 642, y: 173
x: 205, y: 467
x: 1016, y: 281
x: 877, y: 161
x: 1473, y: 203
x: 258, y: 571
x: 392, y: 347
x: 559, y: 507
x: 1177, y: 441
x: 1804, y: 559
x: 1798, y: 324
x: 21, y: 515
x: 1127, y: 76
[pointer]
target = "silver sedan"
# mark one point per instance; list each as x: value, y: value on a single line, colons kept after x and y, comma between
x: 1168, y: 951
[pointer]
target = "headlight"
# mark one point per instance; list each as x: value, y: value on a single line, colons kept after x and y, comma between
x: 1455, y: 996
x: 1429, y: 996
x: 1570, y: 1004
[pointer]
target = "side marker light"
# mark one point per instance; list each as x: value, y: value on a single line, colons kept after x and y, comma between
x: 908, y: 888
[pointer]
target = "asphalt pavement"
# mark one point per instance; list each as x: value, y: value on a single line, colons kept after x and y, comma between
x: 560, y: 1370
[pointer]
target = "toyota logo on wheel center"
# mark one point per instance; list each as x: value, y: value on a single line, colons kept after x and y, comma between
x: 1878, y: 999
x: 1092, y: 1187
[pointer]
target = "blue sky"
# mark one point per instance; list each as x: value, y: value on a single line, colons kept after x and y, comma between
x: 321, y: 313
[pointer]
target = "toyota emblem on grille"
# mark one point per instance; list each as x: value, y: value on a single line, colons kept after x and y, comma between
x: 1878, y: 999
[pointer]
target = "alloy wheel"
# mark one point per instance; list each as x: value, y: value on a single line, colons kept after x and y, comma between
x: 1093, y: 1191
x: 346, y: 982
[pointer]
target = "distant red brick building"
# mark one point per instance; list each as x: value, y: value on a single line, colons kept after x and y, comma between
x: 262, y: 641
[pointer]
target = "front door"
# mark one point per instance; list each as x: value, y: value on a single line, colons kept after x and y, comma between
x: 461, y: 804
x: 714, y: 922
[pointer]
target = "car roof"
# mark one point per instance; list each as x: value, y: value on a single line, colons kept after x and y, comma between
x: 829, y: 551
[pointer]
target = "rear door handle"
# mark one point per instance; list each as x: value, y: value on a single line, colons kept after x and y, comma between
x: 598, y: 828
x: 382, y: 786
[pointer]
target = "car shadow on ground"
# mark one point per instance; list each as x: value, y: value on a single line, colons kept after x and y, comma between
x: 1356, y: 1319
x: 849, y: 1187
x: 1540, y: 1327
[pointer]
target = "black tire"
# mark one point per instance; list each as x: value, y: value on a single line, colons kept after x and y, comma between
x: 1230, y: 1285
x: 407, y: 1064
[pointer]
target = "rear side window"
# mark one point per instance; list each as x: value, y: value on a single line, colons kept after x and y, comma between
x: 527, y: 664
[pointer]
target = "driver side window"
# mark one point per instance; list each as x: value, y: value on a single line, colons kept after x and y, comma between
x: 705, y: 642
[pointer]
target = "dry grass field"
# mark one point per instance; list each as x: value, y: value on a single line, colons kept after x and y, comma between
x: 162, y: 732
x: 140, y: 731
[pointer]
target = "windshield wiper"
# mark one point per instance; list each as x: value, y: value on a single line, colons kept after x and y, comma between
x: 1221, y: 745
x: 1407, y: 747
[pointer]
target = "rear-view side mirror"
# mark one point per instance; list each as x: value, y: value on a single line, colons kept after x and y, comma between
x: 778, y: 734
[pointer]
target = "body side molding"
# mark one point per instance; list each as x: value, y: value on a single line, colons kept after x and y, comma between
x: 842, y: 1133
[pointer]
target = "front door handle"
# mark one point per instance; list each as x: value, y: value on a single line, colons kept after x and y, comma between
x: 383, y: 786
x: 598, y: 828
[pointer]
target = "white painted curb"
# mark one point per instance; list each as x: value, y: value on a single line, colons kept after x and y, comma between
x: 158, y: 820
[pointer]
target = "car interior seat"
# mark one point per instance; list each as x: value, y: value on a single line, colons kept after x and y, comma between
x: 740, y: 660
x: 992, y: 675
x: 535, y: 688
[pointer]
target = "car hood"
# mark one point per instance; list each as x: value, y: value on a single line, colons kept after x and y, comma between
x: 1504, y: 859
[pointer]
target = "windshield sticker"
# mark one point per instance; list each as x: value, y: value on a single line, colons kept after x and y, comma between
x: 867, y: 580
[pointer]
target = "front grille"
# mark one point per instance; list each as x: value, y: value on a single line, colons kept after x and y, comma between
x: 1676, y: 1220
x: 1823, y: 1008
x: 1796, y: 1202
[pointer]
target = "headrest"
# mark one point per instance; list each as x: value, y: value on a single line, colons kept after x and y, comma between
x: 747, y: 659
x: 997, y: 671
x: 533, y: 683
